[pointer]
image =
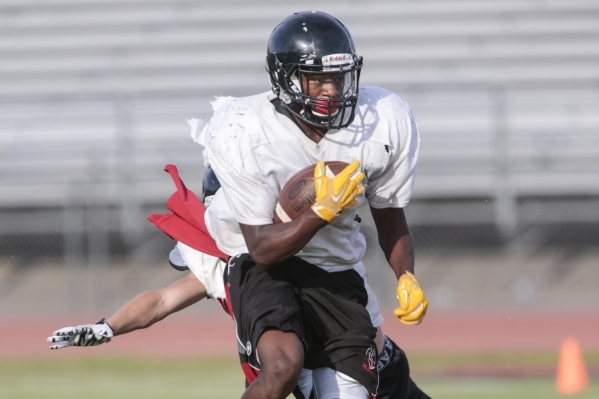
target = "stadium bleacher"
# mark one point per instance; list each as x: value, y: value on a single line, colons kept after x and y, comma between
x: 94, y: 96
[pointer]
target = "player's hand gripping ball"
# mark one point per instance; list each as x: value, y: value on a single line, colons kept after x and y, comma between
x: 83, y: 335
x: 336, y: 193
x: 299, y: 193
x: 412, y: 301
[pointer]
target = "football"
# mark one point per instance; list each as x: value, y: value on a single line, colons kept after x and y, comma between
x: 298, y: 194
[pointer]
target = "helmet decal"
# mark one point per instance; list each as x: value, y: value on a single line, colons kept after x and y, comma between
x: 332, y: 60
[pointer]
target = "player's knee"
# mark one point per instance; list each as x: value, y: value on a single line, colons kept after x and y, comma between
x: 283, y: 371
x: 281, y: 359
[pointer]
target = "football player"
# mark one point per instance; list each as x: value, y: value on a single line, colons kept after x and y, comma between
x: 393, y: 367
x: 297, y: 289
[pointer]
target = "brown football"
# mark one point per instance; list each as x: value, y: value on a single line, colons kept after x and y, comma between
x: 298, y: 194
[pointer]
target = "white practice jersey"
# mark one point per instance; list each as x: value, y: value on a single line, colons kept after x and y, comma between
x: 254, y: 150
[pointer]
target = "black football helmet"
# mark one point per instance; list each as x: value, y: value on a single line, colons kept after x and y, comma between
x: 313, y: 42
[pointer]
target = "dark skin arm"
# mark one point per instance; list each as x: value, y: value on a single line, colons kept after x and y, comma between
x: 395, y: 238
x: 273, y: 243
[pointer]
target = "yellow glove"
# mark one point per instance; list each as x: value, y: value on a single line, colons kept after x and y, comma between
x: 412, y: 301
x: 334, y: 194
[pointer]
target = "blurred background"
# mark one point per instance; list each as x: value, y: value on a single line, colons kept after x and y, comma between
x: 94, y: 97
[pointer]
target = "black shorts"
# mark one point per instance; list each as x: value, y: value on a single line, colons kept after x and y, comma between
x: 394, y: 375
x: 326, y: 310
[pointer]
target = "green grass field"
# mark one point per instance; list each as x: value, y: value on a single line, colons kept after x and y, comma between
x: 215, y: 378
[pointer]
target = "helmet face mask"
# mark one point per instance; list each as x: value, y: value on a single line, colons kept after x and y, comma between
x: 311, y: 47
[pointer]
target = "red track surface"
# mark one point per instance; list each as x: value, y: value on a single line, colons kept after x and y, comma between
x: 442, y: 332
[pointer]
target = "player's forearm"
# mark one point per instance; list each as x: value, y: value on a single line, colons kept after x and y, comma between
x: 395, y: 239
x: 141, y: 312
x: 401, y: 255
x: 272, y: 244
x: 151, y: 306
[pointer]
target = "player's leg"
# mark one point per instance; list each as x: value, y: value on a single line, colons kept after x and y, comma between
x: 305, y: 386
x: 339, y: 330
x: 270, y: 329
x: 331, y: 384
x: 281, y: 357
x: 394, y: 375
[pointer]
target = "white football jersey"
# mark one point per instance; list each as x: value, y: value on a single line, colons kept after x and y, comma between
x: 254, y: 150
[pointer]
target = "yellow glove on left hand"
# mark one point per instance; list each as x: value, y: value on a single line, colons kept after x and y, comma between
x: 412, y: 301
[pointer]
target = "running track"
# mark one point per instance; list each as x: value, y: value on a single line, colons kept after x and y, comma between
x: 214, y: 336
